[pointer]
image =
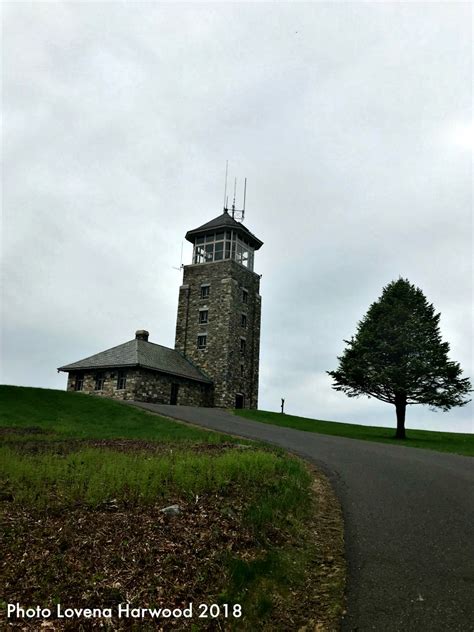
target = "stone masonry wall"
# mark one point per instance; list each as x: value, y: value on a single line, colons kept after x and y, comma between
x: 110, y: 383
x: 155, y: 387
x: 146, y: 386
x: 222, y: 359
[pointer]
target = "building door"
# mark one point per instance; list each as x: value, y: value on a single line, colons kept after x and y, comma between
x: 239, y: 400
x: 174, y: 394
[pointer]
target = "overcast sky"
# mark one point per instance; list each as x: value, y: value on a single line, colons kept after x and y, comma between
x: 351, y: 121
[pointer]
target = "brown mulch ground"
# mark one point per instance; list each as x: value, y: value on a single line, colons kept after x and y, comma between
x: 142, y: 556
x: 66, y: 446
x: 14, y: 430
x: 84, y: 557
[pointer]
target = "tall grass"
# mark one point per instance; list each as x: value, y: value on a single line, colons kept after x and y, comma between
x: 92, y: 476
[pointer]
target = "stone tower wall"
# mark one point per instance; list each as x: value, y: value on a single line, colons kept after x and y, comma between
x: 222, y: 358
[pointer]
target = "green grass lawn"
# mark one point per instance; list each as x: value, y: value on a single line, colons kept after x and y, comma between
x: 78, y: 471
x: 80, y: 416
x: 439, y: 441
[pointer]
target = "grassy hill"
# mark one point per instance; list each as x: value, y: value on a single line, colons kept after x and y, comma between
x: 80, y: 416
x: 83, y: 485
x: 440, y: 441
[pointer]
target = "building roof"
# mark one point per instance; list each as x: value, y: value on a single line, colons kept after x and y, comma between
x: 224, y: 221
x: 143, y: 354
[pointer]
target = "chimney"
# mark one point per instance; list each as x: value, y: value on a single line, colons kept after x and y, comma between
x: 142, y: 334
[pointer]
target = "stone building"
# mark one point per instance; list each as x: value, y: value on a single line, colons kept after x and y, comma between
x: 143, y: 371
x: 216, y: 357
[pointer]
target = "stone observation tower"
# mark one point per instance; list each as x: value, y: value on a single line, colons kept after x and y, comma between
x: 218, y: 321
x: 215, y: 359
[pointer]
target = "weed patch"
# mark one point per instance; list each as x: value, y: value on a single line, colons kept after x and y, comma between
x: 92, y: 476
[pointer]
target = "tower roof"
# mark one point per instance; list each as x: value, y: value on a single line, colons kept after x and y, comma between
x: 225, y: 222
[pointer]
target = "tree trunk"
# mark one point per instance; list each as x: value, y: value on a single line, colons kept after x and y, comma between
x: 400, y: 407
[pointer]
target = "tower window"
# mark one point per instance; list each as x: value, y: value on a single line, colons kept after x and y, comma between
x: 99, y: 382
x: 242, y: 369
x: 223, y: 245
x: 203, y: 316
x: 243, y: 344
x: 245, y: 296
x: 243, y: 320
x: 202, y: 341
x: 79, y: 382
x: 219, y: 251
x: 121, y: 380
x: 242, y: 252
x: 209, y: 252
x: 205, y: 291
x: 198, y: 253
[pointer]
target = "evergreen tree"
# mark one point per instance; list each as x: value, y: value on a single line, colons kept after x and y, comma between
x: 397, y: 356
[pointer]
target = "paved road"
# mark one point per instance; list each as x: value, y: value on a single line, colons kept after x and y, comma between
x: 409, y: 519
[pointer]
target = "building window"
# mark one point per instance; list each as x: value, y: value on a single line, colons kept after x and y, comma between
x: 243, y: 320
x: 121, y: 380
x: 204, y: 291
x: 99, y: 382
x: 243, y: 344
x: 218, y: 250
x: 245, y: 296
x: 203, y: 316
x: 223, y: 245
x: 202, y: 341
x: 242, y: 369
x: 79, y: 383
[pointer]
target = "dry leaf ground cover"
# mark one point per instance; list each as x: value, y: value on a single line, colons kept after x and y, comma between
x: 82, y: 524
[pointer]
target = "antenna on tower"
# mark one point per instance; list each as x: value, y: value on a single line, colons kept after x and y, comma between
x: 181, y: 264
x: 225, y: 186
x: 233, y: 201
x: 238, y: 214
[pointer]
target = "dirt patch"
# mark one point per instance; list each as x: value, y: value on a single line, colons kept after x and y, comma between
x: 102, y: 558
x: 67, y: 446
x: 21, y: 430
x: 326, y: 576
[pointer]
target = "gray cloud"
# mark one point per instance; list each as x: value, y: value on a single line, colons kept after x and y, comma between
x: 118, y: 119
